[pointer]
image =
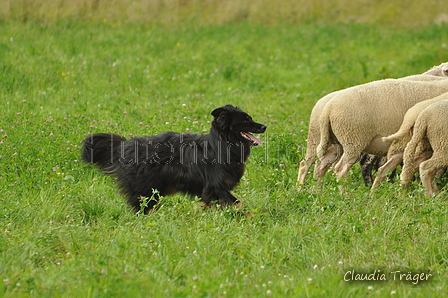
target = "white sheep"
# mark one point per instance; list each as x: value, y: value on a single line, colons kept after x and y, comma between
x: 314, y: 131
x: 431, y: 124
x: 313, y: 137
x: 400, y: 139
x: 439, y: 70
x: 435, y: 73
x: 358, y: 117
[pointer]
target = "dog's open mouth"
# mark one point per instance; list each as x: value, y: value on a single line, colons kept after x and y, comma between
x: 255, y: 141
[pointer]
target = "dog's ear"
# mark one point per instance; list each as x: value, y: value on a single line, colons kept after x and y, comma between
x: 221, y: 121
x: 217, y: 111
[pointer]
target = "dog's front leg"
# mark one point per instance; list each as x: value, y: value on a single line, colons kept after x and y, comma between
x: 222, y: 197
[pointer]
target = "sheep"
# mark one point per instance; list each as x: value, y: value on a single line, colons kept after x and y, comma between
x: 439, y: 70
x: 430, y: 124
x: 357, y: 131
x: 313, y: 141
x: 313, y: 137
x: 314, y: 131
x: 400, y: 139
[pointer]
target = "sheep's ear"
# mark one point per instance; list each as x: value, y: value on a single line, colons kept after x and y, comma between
x: 434, y: 71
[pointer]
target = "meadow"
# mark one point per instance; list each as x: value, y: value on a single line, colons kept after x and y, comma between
x: 65, y: 231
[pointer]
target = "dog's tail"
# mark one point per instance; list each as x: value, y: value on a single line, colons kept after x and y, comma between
x: 103, y: 150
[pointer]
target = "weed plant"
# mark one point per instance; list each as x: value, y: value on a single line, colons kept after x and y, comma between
x: 65, y: 231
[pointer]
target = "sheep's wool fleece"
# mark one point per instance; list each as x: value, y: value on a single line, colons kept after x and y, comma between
x: 359, y: 114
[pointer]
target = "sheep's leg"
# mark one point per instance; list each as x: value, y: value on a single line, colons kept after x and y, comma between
x: 425, y: 155
x: 435, y: 188
x: 366, y: 163
x: 407, y: 173
x: 330, y: 156
x: 391, y: 164
x: 343, y: 166
x: 309, y: 160
x: 428, y: 170
x: 440, y: 172
x: 321, y: 168
x: 391, y: 178
x: 304, y: 167
x: 409, y: 170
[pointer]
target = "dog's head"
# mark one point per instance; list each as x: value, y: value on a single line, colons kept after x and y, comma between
x: 232, y: 121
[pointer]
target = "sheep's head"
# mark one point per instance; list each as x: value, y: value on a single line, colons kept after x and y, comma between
x: 445, y: 69
x: 439, y: 70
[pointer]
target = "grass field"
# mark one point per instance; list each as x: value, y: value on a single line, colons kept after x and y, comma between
x: 66, y: 232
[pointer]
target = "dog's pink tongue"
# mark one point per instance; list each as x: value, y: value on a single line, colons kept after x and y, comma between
x: 253, y: 138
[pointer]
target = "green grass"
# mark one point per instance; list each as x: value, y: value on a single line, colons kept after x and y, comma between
x: 66, y: 232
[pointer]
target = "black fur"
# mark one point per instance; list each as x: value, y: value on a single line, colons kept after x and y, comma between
x: 207, y: 166
x: 371, y: 162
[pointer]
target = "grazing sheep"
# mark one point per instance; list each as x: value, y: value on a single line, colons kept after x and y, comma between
x: 314, y: 131
x: 383, y: 105
x: 313, y: 140
x: 313, y: 137
x: 314, y: 134
x: 430, y: 124
x: 400, y: 139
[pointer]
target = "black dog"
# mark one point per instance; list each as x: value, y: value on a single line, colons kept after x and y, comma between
x: 207, y: 166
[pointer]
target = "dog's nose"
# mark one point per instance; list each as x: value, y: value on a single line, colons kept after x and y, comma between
x: 263, y: 128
